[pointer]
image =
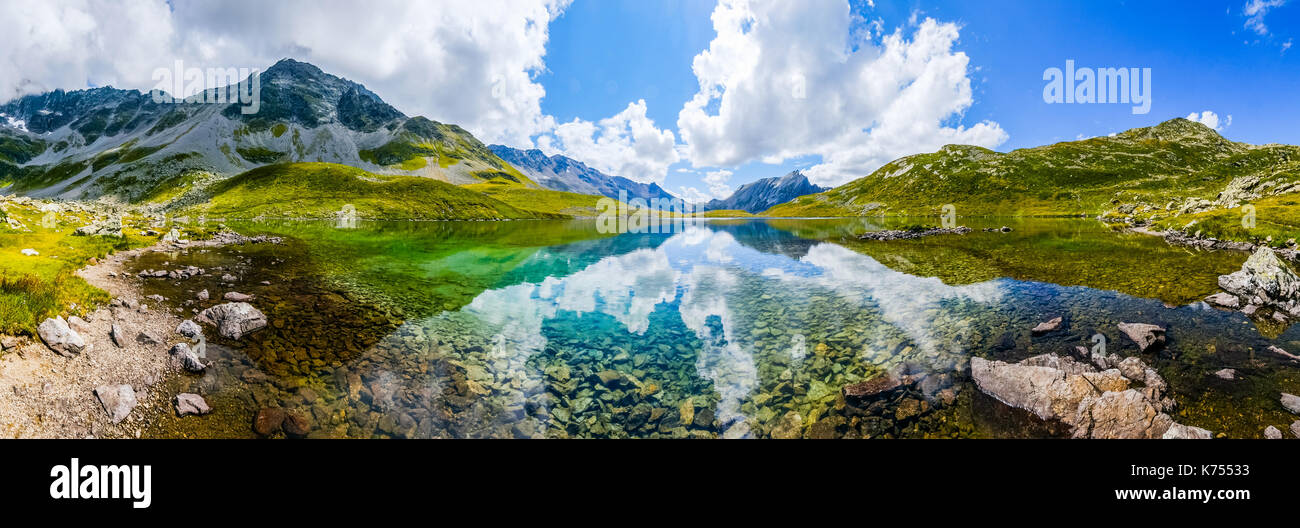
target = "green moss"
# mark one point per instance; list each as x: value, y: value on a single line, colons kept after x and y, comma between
x: 279, y: 129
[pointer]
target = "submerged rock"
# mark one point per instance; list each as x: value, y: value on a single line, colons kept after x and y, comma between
x: 268, y: 421
x: 1180, y: 431
x: 118, y: 400
x: 1291, y: 402
x: 908, y: 234
x: 188, y: 359
x: 187, y: 404
x: 1226, y: 300
x: 60, y: 337
x: 1145, y: 335
x: 233, y: 320
x: 1227, y: 374
x: 1276, y: 350
x: 1049, y: 326
x: 237, y: 297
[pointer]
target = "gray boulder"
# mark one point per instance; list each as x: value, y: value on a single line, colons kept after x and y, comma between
x: 117, y: 335
x: 233, y: 320
x: 60, y: 337
x: 1264, y: 280
x: 1272, y: 433
x: 118, y: 400
x: 189, y: 329
x: 187, y: 358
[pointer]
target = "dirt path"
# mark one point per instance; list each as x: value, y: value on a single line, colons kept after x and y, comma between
x: 45, y: 395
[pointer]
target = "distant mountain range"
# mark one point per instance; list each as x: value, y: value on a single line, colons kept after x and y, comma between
x: 562, y: 173
x: 761, y: 195
x: 110, y: 142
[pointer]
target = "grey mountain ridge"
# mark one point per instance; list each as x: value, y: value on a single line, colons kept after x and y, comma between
x: 561, y: 173
x: 761, y: 195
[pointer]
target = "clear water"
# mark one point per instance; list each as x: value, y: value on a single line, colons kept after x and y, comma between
x: 732, y: 328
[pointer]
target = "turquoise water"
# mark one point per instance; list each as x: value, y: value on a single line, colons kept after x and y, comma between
x: 730, y: 328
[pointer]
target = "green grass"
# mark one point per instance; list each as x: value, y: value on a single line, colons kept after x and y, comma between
x: 33, y: 288
x: 726, y: 213
x: 574, y: 204
x: 1276, y: 216
x: 320, y: 190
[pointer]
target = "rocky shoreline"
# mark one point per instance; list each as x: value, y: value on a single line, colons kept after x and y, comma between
x: 105, y: 376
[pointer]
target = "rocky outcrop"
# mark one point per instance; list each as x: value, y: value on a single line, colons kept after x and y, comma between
x: 60, y: 337
x: 1264, y: 281
x: 118, y: 400
x: 1096, y: 404
x: 233, y: 320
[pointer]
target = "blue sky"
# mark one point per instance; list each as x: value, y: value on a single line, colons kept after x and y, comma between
x: 603, y: 54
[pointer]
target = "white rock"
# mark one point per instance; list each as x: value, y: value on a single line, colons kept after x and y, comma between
x: 60, y: 337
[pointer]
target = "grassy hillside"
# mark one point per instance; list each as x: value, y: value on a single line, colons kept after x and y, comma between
x: 1170, y: 162
x: 573, y: 204
x: 35, y: 287
x: 321, y: 190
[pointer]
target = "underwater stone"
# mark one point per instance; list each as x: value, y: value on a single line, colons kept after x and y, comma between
x: 233, y: 320
x: 1049, y: 326
x: 1180, y: 431
x: 188, y: 403
x: 1144, y: 335
x: 1291, y: 402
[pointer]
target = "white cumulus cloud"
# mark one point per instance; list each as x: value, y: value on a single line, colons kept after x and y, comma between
x: 788, y: 79
x: 471, y: 63
x: 628, y: 144
x: 1210, y: 119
